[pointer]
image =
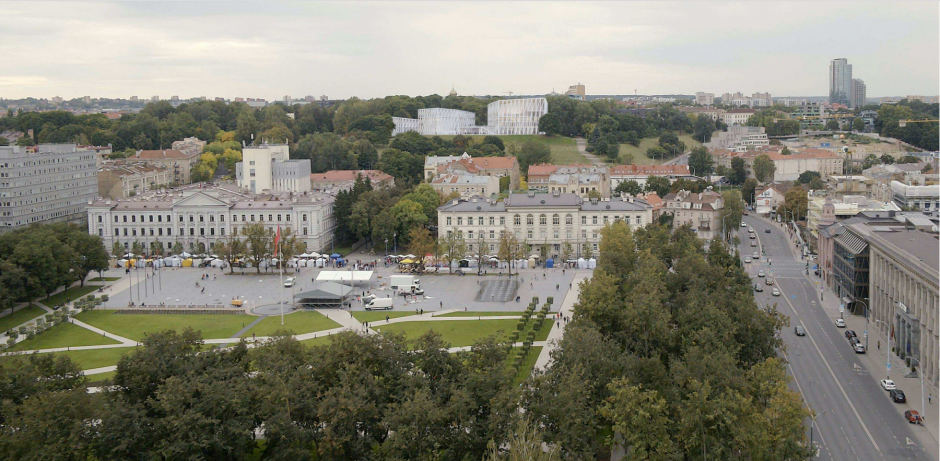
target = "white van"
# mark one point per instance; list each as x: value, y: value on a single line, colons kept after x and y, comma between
x: 380, y: 304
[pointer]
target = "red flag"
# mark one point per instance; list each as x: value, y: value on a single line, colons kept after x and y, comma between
x: 277, y: 240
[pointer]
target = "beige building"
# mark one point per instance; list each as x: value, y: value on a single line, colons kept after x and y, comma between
x: 179, y: 164
x: 190, y: 146
x: 466, y: 185
x: 483, y: 166
x: 702, y: 211
x: 737, y: 116
x: 839, y: 209
x: 640, y: 173
x: 574, y: 179
x: 122, y: 180
x: 269, y: 168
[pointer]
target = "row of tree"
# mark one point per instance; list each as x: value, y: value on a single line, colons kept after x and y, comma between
x: 39, y: 259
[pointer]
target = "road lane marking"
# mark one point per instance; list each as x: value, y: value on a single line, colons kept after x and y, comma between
x: 828, y: 367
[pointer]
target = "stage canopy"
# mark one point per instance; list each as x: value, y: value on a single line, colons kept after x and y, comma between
x: 324, y: 295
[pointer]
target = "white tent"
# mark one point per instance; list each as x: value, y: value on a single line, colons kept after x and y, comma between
x: 592, y: 263
x: 185, y: 255
x: 345, y: 276
x: 217, y: 263
x: 198, y: 262
x: 582, y: 263
x: 303, y: 255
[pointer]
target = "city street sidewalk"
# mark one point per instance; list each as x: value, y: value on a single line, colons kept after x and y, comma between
x: 558, y: 330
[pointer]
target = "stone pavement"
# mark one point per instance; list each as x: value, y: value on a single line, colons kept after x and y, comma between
x: 558, y: 330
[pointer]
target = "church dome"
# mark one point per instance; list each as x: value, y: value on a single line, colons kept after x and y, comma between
x: 453, y: 92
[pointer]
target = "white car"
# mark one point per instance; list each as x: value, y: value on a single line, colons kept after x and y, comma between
x: 840, y: 323
x: 289, y: 282
x: 747, y: 259
x: 888, y: 385
x: 776, y: 292
x: 755, y: 256
x: 760, y: 273
x: 743, y: 224
x: 753, y: 244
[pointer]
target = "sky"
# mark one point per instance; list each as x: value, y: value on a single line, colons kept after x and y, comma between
x: 374, y: 49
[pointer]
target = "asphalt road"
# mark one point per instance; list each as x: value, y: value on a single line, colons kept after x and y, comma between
x: 855, y: 418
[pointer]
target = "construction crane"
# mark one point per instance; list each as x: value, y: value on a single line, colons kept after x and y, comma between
x: 508, y: 92
x: 903, y: 123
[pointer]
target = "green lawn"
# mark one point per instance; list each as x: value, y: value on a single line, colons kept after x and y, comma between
x: 88, y: 359
x: 639, y: 153
x: 457, y: 333
x: 297, y: 322
x: 373, y: 316
x: 70, y: 294
x: 542, y: 333
x: 20, y: 317
x: 319, y: 341
x: 100, y: 377
x: 481, y: 314
x: 63, y: 335
x: 564, y: 150
x: 528, y: 363
x: 104, y: 279
x: 135, y: 326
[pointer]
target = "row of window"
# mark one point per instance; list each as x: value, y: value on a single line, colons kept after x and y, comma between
x: 543, y: 220
x: 201, y: 218
x: 132, y: 232
x: 530, y: 234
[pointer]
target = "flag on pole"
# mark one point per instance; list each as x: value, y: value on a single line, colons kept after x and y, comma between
x: 277, y: 241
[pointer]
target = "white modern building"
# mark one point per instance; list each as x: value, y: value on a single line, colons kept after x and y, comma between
x: 704, y: 99
x: 739, y: 139
x: 206, y: 215
x: 506, y: 116
x: 45, y: 183
x: 924, y: 198
x: 268, y: 168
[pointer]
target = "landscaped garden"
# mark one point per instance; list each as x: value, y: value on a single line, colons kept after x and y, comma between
x: 136, y: 326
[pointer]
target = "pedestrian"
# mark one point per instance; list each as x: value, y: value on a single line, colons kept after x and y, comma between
x: 879, y: 345
x: 442, y: 304
x: 386, y: 318
x: 929, y: 397
x: 422, y: 311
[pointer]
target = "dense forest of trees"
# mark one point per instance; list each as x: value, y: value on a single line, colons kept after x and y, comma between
x: 667, y: 351
x: 923, y: 135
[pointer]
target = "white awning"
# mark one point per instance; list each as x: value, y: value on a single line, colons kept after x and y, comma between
x: 344, y: 276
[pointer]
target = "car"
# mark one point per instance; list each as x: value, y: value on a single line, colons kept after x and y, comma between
x: 799, y: 330
x: 775, y: 292
x: 769, y: 281
x: 912, y: 416
x: 289, y: 282
x: 753, y: 243
x: 840, y: 323
x: 743, y: 224
x: 859, y: 348
x: 854, y: 341
x: 747, y: 259
x: 755, y: 256
x: 750, y: 230
x: 766, y: 231
x: 758, y: 288
x: 849, y: 334
x: 888, y: 385
x: 760, y: 273
x: 753, y: 236
x: 898, y: 396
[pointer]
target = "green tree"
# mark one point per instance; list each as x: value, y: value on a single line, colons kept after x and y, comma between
x: 630, y: 187
x: 230, y: 248
x: 408, y: 215
x: 763, y: 168
x: 858, y: 124
x: 738, y: 171
x: 795, y: 203
x: 495, y: 141
x: 748, y: 190
x: 177, y: 248
x: 887, y: 159
x: 733, y: 210
x: 832, y: 125
x: 807, y: 176
x: 701, y: 162
x: 366, y: 155
x: 533, y: 153
x: 258, y: 240
x: 703, y: 127
x: 658, y: 184
x: 405, y: 167
x: 642, y: 418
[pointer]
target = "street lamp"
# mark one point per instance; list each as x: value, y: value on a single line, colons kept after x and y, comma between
x: 811, y: 423
x: 867, y: 321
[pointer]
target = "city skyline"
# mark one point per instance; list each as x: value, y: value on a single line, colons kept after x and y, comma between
x: 229, y: 50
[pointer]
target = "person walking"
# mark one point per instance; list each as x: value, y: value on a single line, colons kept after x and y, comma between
x: 929, y: 398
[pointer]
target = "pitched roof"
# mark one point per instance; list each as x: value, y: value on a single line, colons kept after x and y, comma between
x: 634, y: 169
x: 542, y: 169
x: 160, y: 154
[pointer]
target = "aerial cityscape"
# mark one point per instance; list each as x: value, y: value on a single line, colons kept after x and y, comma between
x: 459, y: 231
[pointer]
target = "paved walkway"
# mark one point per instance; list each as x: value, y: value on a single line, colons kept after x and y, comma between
x: 558, y: 330
x: 582, y: 149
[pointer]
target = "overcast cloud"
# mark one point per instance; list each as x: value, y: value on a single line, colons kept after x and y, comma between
x: 370, y: 50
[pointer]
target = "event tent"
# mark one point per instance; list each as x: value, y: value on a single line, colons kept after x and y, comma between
x: 324, y: 295
x: 345, y: 276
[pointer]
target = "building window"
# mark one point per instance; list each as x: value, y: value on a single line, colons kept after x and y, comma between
x: 151, y: 218
x: 459, y: 220
x: 133, y: 218
x: 304, y: 217
x: 252, y: 218
x: 639, y: 220
x: 480, y: 221
x: 584, y: 220
x: 568, y: 219
x: 517, y: 220
x: 605, y: 219
x: 492, y: 220
x: 221, y: 218
x: 192, y: 231
x: 556, y: 220
x: 492, y: 234
x: 470, y: 234
x: 449, y: 223
x: 288, y: 218
x: 529, y: 233
x: 99, y: 218
x: 279, y: 218
x: 190, y: 218
x: 543, y: 220
x: 270, y: 218
x: 202, y: 231
x: 211, y: 218
x: 594, y: 219
x: 100, y: 232
x: 529, y: 220
x: 502, y: 220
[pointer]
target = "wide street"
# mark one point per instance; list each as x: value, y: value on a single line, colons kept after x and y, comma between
x: 855, y: 418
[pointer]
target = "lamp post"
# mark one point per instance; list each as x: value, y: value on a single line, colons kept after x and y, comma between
x: 386, y: 247
x: 395, y: 237
x: 923, y: 403
x: 867, y: 321
x: 811, y: 423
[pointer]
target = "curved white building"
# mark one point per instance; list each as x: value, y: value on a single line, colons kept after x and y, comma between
x: 516, y: 116
x: 439, y: 121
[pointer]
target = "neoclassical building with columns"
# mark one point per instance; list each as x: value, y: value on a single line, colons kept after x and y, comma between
x: 539, y: 218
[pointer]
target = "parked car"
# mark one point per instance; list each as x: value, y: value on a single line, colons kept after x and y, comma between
x: 800, y: 331
x: 750, y: 230
x: 850, y: 334
x: 898, y: 396
x: 775, y: 292
x: 760, y: 273
x: 840, y: 323
x: 766, y: 231
x: 859, y: 348
x: 888, y: 385
x: 289, y: 282
x: 913, y: 417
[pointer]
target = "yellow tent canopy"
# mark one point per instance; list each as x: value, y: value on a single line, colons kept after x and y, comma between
x: 407, y: 261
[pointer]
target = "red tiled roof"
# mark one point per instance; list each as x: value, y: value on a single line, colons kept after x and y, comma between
x: 542, y: 169
x: 634, y: 169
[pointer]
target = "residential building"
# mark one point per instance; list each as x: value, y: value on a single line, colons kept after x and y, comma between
x: 869, y: 117
x: 702, y: 211
x: 466, y: 185
x: 190, y: 146
x: 345, y: 179
x: 120, y: 180
x: 925, y: 198
x: 101, y: 153
x: 206, y: 215
x: 268, y: 168
x: 810, y: 114
x: 45, y: 183
x: 762, y: 100
x: 575, y: 179
x: 483, y: 166
x: 179, y: 163
x: 737, y: 116
x: 859, y: 95
x: 769, y: 198
x: 823, y: 211
x: 842, y: 185
x: 539, y: 219
x: 840, y: 82
x: 713, y: 113
x: 739, y: 138
x: 433, y: 162
x: 576, y: 92
x: 790, y: 167
x: 704, y: 99
x: 504, y: 117
x: 640, y: 173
